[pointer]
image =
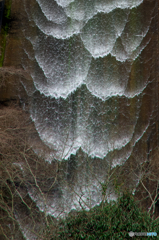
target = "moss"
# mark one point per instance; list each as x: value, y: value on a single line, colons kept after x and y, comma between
x: 8, y: 4
x: 5, y: 29
x: 3, y: 46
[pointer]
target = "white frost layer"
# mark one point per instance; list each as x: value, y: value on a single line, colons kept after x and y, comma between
x: 92, y: 45
x: 64, y: 3
x: 67, y: 63
x: 84, y: 10
x: 52, y: 11
x: 68, y: 124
